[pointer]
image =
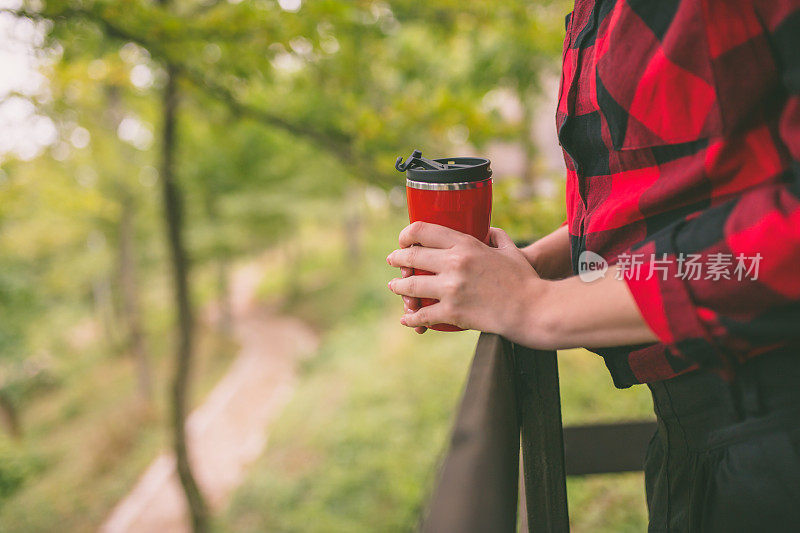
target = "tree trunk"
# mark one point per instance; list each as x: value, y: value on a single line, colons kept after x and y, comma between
x: 9, y: 414
x: 225, y: 318
x: 528, y: 145
x: 104, y: 308
x: 294, y: 254
x: 129, y: 288
x: 130, y: 299
x: 225, y: 324
x: 180, y: 274
x: 352, y: 227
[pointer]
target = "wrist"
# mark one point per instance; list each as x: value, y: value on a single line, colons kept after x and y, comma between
x: 532, y: 253
x: 549, y: 259
x: 537, y: 320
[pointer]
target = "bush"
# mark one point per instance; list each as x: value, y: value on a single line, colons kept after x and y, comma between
x: 16, y: 466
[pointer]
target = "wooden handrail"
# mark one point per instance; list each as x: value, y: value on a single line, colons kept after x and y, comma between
x: 607, y: 448
x: 477, y: 486
x: 511, y: 400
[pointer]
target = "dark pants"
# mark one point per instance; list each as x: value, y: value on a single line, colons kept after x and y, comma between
x: 726, y: 457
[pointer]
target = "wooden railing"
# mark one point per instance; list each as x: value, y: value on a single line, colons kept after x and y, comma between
x: 511, y: 401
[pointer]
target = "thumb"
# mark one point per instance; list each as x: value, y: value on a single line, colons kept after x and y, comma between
x: 499, y: 239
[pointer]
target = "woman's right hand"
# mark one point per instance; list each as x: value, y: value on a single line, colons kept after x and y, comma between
x: 549, y: 256
x: 411, y: 304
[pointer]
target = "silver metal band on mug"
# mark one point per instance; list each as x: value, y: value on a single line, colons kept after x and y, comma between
x: 425, y: 186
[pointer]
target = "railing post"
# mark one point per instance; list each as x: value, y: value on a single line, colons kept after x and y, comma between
x: 539, y: 405
x: 512, y: 399
x: 478, y: 481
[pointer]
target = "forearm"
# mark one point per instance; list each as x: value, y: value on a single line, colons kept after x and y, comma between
x: 492, y: 287
x: 550, y: 255
x: 570, y: 313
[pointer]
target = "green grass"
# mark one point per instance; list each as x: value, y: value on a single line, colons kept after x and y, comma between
x: 356, y: 449
x: 358, y: 446
x: 88, y: 438
x: 602, y: 503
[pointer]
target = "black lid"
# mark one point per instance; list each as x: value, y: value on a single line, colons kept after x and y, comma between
x: 444, y: 170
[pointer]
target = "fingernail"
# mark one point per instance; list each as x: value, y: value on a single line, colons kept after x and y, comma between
x: 411, y: 311
x: 403, y: 321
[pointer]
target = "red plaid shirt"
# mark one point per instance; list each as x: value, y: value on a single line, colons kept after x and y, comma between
x: 680, y: 124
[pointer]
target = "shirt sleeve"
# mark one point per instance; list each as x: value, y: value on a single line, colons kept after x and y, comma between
x: 746, y: 299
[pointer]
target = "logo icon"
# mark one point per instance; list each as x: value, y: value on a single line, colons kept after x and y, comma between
x: 591, y: 266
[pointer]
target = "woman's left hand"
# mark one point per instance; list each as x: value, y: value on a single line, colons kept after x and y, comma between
x: 485, y: 287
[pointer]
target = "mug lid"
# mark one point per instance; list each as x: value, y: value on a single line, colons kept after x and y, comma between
x: 444, y: 170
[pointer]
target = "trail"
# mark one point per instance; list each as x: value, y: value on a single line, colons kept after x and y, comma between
x: 230, y: 429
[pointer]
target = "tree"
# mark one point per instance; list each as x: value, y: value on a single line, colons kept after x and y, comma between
x: 280, y: 109
x: 17, y: 307
x: 173, y: 216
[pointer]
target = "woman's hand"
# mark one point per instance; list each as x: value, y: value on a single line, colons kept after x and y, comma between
x: 478, y: 286
x: 494, y: 288
x: 411, y: 304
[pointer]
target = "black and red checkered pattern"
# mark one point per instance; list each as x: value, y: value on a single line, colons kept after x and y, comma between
x: 680, y: 124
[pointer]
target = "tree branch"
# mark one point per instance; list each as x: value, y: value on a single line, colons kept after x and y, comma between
x: 337, y: 143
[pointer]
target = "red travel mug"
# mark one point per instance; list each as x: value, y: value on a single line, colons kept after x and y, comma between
x: 455, y: 192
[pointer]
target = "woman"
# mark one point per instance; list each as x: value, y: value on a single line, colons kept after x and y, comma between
x: 680, y: 124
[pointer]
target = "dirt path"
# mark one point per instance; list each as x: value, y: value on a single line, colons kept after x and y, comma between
x: 229, y: 430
